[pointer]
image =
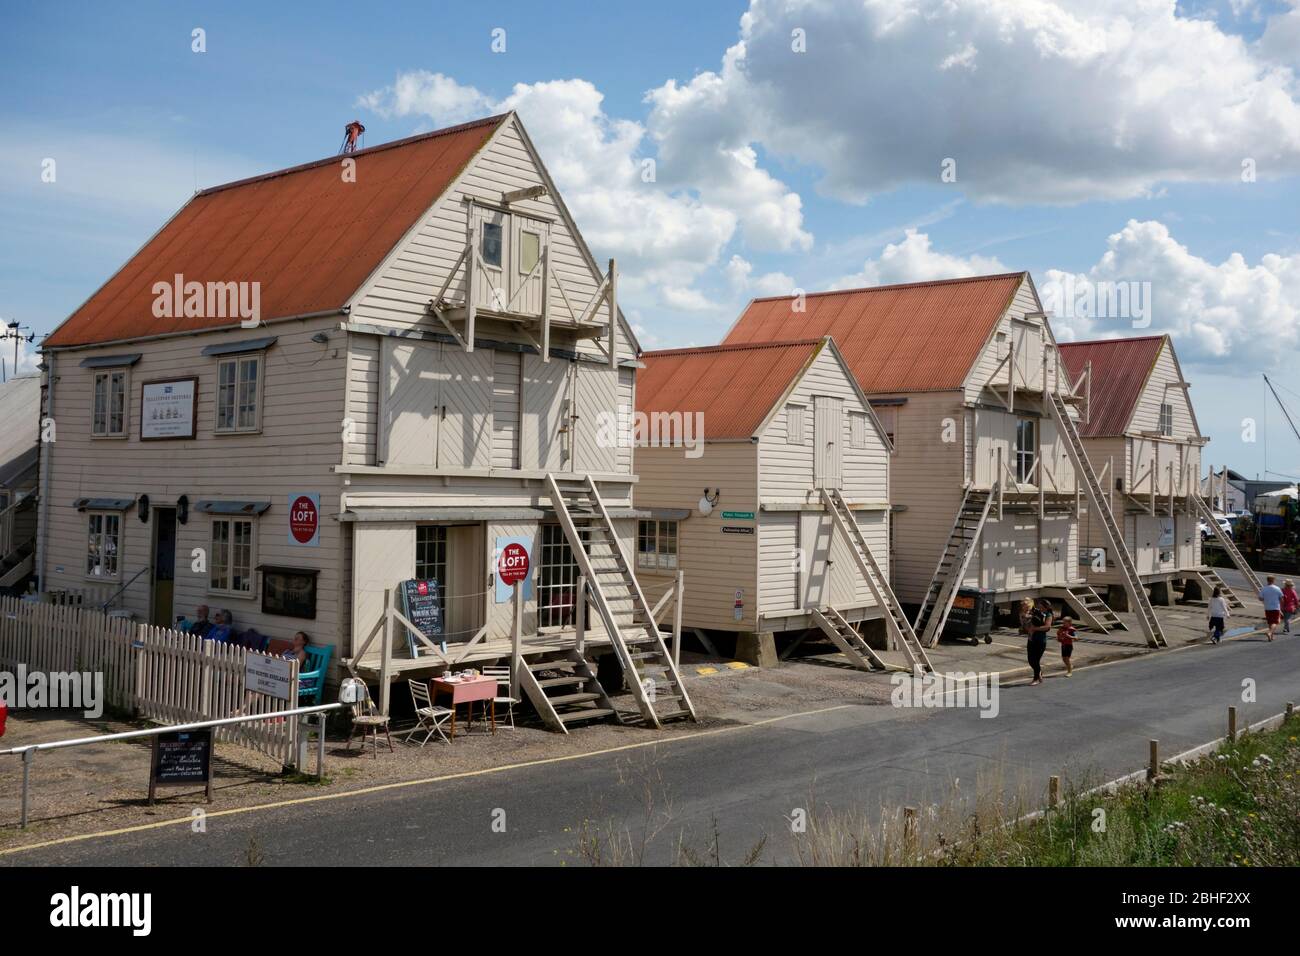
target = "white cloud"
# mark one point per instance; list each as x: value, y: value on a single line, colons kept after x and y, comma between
x: 1280, y: 41
x: 1071, y: 100
x: 1217, y: 312
x: 915, y: 259
x: 740, y: 277
x: 421, y: 93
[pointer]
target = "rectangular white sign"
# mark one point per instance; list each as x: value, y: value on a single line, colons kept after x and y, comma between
x: 267, y: 675
x: 167, y: 409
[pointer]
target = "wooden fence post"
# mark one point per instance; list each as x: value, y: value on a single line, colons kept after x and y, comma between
x: 1153, y: 765
x: 385, y: 661
x: 580, y: 615
x: 677, y: 619
x: 1053, y: 792
x: 1232, y: 723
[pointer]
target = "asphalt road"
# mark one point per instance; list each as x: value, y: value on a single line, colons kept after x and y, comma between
x: 746, y: 782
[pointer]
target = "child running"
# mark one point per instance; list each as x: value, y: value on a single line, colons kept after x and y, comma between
x: 1290, y: 604
x: 1218, y: 615
x: 1065, y: 635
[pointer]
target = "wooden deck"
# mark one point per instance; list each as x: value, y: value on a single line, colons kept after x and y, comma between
x: 466, y: 655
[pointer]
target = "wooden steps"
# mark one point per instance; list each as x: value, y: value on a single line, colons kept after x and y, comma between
x: 1206, y: 514
x: 582, y: 698
x: 967, y: 527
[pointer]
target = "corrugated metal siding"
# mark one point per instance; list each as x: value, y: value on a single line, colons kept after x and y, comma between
x: 917, y: 337
x: 307, y: 236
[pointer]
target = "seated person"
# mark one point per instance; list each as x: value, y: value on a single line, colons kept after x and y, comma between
x: 299, y: 650
x: 222, y: 629
x: 201, y: 624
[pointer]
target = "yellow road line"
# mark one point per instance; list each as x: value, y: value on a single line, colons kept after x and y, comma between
x: 401, y: 784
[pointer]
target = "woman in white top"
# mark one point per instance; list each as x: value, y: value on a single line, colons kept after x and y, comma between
x: 1218, y: 615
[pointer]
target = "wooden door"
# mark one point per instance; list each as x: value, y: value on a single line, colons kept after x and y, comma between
x: 410, y: 409
x: 465, y: 396
x: 828, y: 438
x: 1054, y: 551
x: 546, y: 423
x: 528, y: 241
x: 595, y: 436
x: 491, y: 236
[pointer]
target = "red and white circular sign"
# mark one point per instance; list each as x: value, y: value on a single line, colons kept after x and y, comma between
x: 513, y: 564
x: 304, y: 519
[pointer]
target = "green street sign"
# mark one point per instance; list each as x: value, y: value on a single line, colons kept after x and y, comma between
x: 739, y: 515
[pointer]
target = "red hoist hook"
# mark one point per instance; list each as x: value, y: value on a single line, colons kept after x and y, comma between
x: 351, y: 133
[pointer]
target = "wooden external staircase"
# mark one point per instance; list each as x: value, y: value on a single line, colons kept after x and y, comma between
x: 1100, y: 506
x: 627, y: 617
x: 1088, y: 607
x: 1206, y: 514
x: 563, y: 688
x: 847, y: 639
x: 17, y: 544
x: 900, y: 631
x: 956, y: 557
x: 1212, y: 580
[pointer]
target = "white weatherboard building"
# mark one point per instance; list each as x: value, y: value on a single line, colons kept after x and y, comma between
x: 989, y: 477
x: 435, y: 353
x: 778, y: 520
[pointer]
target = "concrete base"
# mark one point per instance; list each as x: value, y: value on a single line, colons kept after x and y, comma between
x: 1192, y: 590
x: 758, y: 649
x: 1117, y: 598
x: 1162, y: 594
x: 876, y: 634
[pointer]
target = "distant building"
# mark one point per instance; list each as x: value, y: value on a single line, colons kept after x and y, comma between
x: 20, y: 404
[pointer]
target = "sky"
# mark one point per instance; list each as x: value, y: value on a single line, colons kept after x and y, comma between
x: 731, y: 149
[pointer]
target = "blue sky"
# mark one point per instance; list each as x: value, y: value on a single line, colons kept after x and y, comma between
x: 1079, y: 149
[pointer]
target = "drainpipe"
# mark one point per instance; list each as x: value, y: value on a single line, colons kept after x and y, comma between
x: 47, y: 462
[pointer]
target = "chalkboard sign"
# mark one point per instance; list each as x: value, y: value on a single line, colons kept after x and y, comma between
x: 422, y: 606
x: 181, y: 758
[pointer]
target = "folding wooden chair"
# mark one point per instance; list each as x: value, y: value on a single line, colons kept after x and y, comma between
x: 431, y: 716
x: 366, y: 717
x: 502, y: 674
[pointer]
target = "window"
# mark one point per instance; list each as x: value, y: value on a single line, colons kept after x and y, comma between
x: 888, y: 415
x: 109, y: 418
x: 530, y: 250
x: 239, y: 394
x: 656, y: 544
x: 4, y: 501
x: 230, y: 562
x: 557, y: 585
x: 1167, y: 420
x: 490, y: 248
x: 1026, y: 449
x: 103, y: 546
x: 431, y: 553
x: 857, y: 430
x: 795, y: 429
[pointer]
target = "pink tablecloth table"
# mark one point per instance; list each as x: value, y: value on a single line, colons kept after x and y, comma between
x: 464, y: 690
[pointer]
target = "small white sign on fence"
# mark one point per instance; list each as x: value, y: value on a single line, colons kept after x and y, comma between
x: 267, y: 675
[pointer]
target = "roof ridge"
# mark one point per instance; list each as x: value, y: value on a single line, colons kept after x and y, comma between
x: 1118, y: 338
x: 392, y: 144
x: 737, y: 347
x: 898, y: 285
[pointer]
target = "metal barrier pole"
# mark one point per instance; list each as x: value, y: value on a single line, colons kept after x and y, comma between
x: 320, y: 746
x: 28, y: 757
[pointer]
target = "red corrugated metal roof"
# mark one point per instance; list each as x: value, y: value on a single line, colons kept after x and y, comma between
x: 735, y: 386
x: 1120, y: 368
x: 923, y: 336
x: 308, y: 237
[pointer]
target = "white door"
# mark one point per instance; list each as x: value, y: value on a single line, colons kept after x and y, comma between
x: 1055, y: 549
x: 1186, y: 534
x: 506, y: 390
x: 411, y: 410
x: 546, y: 424
x: 828, y: 437
x: 1028, y: 339
x: 1146, y: 542
x: 815, y: 545
x: 491, y: 236
x: 528, y: 241
x: 595, y: 437
x: 465, y: 431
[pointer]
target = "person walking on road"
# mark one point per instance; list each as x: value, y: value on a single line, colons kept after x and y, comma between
x: 1218, y: 615
x: 1271, y: 595
x: 1065, y: 637
x: 1290, y: 604
x: 1035, y: 622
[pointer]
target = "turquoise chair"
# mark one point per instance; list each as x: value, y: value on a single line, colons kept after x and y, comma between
x: 311, y: 682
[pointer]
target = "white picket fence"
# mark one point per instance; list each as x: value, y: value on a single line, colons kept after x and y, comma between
x: 161, y: 675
